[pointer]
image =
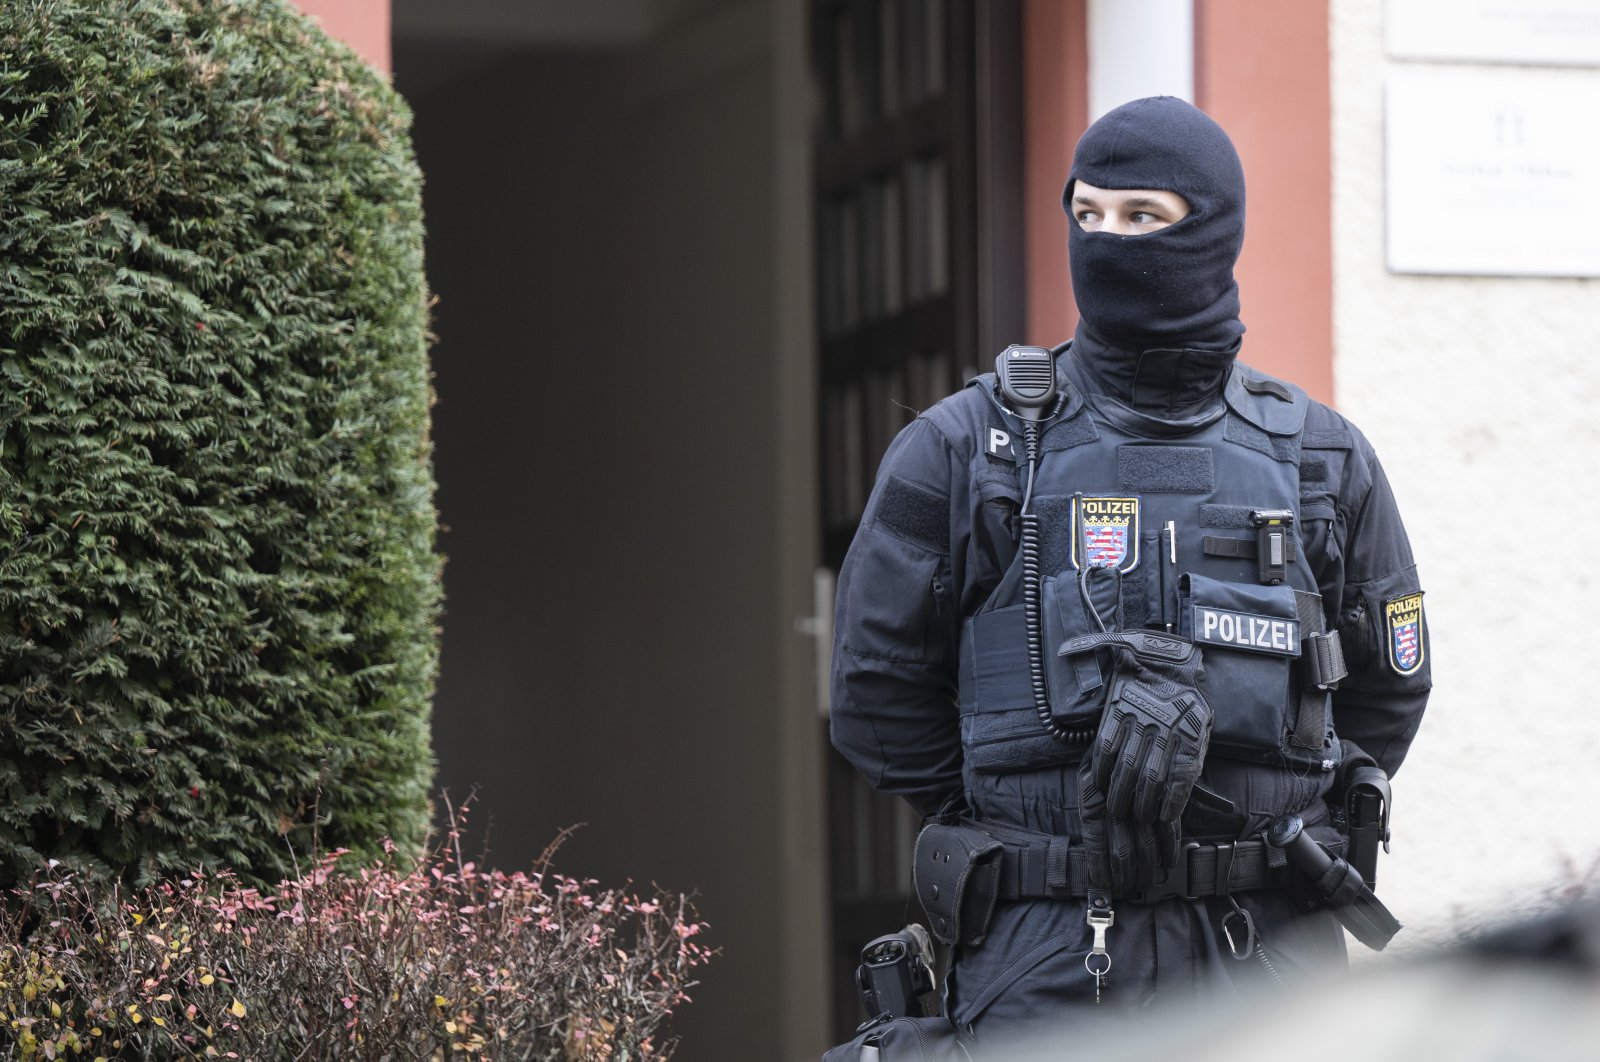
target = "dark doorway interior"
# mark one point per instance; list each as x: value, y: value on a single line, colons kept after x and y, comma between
x: 600, y: 240
x: 918, y: 167
x: 603, y: 241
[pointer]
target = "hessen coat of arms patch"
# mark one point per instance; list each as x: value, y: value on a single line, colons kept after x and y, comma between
x: 1402, y: 617
x: 1105, y: 533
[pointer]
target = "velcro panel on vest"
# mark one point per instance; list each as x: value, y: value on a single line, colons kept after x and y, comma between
x: 1314, y: 470
x: 1233, y: 517
x: 1166, y: 469
x: 1285, y: 448
x: 994, y: 666
x: 1328, y: 439
x: 1065, y: 434
x: 914, y: 513
x: 1055, y: 532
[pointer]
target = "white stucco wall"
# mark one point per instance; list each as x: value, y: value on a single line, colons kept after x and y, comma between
x: 1139, y: 48
x: 1481, y: 396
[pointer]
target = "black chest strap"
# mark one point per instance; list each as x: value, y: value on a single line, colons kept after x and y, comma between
x: 1321, y: 667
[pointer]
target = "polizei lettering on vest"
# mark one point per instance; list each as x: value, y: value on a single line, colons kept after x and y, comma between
x: 1243, y: 630
x: 1101, y: 508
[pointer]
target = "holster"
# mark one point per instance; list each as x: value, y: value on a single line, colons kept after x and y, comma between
x: 956, y: 869
x: 1356, y: 906
x: 1366, y: 800
x: 1334, y: 884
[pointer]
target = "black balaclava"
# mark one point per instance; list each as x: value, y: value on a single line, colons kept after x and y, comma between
x: 1159, y: 312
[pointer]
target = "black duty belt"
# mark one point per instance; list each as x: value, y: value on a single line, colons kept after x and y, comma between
x: 1044, y: 866
x: 962, y: 869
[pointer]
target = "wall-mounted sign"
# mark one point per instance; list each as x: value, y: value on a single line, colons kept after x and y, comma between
x: 1492, y: 175
x: 1565, y: 32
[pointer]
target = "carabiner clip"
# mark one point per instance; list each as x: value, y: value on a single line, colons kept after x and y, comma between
x: 1240, y: 950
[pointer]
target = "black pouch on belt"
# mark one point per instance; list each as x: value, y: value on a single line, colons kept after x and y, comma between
x: 957, y: 874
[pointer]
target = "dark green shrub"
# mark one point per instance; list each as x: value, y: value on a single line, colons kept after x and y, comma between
x: 218, y: 592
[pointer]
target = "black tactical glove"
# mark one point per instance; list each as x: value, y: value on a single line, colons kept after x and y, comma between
x: 1146, y: 758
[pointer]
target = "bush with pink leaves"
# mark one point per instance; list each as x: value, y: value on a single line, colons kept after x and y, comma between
x: 441, y: 960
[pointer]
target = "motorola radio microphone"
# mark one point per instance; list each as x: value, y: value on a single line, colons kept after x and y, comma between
x: 1027, y: 377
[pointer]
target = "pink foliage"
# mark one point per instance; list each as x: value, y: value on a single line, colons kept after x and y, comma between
x: 435, y: 959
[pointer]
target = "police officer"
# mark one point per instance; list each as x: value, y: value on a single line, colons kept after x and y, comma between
x: 1114, y: 625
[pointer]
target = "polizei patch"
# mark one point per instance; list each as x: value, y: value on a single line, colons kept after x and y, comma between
x: 1105, y: 533
x: 1001, y: 446
x: 1246, y: 630
x: 1402, y: 618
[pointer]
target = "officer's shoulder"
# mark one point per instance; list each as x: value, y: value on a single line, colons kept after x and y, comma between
x: 1328, y: 429
x: 960, y: 418
x: 1335, y: 456
x: 1275, y: 406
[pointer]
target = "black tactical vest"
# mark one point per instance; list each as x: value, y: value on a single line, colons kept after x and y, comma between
x: 1194, y: 533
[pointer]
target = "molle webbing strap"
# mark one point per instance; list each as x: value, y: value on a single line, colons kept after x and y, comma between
x: 914, y: 513
x: 1323, y: 659
x: 1049, y: 868
x: 1242, y: 548
x: 1322, y: 665
x: 1166, y: 469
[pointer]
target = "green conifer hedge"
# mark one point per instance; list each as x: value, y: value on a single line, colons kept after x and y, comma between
x: 218, y: 590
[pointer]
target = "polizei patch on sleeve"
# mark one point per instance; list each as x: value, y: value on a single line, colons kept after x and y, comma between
x: 1402, y: 617
x: 1105, y: 532
x: 1246, y: 630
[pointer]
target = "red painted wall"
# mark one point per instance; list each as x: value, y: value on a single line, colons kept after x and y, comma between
x: 1262, y: 72
x: 1264, y: 76
x: 362, y: 24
